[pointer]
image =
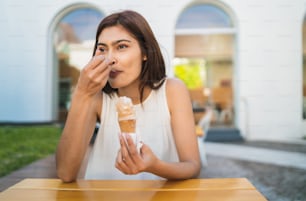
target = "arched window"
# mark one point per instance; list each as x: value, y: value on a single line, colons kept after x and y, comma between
x: 203, y: 16
x: 76, y: 32
x: 84, y: 22
x: 204, y: 51
x: 73, y: 40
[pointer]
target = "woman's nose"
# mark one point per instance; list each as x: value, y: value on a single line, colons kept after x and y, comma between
x: 111, y: 59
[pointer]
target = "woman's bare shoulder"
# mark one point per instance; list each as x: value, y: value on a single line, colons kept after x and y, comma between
x: 175, y: 85
x: 177, y: 93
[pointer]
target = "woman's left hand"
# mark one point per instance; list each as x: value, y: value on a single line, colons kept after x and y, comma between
x: 130, y: 161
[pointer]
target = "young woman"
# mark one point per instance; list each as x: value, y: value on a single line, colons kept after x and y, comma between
x: 127, y: 61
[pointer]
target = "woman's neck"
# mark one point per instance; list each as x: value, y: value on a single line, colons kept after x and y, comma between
x: 134, y: 94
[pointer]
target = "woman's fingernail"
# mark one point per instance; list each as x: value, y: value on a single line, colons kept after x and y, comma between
x: 107, y: 60
x: 100, y: 57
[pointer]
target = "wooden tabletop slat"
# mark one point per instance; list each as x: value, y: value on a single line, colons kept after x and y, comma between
x: 53, y: 195
x: 234, y: 189
x: 192, y: 184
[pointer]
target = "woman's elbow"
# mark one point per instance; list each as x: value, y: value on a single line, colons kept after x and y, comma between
x: 197, y: 169
x: 66, y: 178
x: 65, y: 175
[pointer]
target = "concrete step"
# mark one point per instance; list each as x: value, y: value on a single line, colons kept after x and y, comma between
x: 223, y: 135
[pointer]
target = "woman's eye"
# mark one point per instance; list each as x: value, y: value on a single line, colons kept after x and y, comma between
x: 101, y: 49
x: 122, y: 46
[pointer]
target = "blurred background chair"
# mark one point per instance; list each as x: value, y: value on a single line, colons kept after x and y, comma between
x: 203, y: 124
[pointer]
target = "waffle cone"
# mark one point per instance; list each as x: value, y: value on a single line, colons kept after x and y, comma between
x: 128, y: 126
x: 126, y: 115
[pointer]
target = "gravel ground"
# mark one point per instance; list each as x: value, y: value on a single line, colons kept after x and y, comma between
x: 276, y: 183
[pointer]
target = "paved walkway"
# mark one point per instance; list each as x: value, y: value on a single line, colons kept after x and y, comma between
x: 45, y: 168
x: 262, y: 155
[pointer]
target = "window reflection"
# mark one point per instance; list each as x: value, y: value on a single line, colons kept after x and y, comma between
x: 74, y: 39
x: 203, y: 16
x: 196, y: 48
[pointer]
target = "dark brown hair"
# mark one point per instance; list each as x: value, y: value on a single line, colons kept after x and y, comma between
x: 153, y: 71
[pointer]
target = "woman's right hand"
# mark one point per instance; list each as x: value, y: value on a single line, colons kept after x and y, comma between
x: 130, y: 161
x: 94, y: 76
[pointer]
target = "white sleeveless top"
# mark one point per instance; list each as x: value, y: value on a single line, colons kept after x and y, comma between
x: 153, y: 125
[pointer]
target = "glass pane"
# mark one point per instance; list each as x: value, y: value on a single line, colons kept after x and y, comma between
x: 203, y: 16
x: 204, y: 63
x: 190, y: 71
x: 74, y: 39
x: 84, y: 22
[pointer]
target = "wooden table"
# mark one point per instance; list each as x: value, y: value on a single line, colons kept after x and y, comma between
x: 233, y: 189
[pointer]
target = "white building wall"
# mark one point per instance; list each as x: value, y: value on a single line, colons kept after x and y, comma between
x: 268, y: 61
x: 270, y: 66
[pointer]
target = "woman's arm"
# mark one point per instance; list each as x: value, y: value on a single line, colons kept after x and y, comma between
x: 79, y: 127
x: 182, y: 122
x: 183, y: 127
x: 75, y: 138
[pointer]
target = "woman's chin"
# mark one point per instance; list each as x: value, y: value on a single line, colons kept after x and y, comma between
x: 114, y: 84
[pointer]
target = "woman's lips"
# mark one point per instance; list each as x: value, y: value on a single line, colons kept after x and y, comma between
x: 113, y: 74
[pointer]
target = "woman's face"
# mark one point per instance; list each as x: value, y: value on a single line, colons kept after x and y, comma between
x: 124, y: 54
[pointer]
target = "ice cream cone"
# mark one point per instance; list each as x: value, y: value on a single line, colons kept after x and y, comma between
x: 127, y: 126
x: 126, y: 115
x: 127, y: 120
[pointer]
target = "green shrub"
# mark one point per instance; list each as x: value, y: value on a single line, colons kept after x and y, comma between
x: 191, y: 72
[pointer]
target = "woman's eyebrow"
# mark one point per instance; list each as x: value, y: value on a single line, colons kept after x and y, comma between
x: 115, y: 42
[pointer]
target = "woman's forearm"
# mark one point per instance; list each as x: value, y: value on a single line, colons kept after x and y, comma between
x: 75, y: 137
x: 176, y: 170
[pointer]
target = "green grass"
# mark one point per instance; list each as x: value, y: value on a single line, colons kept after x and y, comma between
x: 21, y: 145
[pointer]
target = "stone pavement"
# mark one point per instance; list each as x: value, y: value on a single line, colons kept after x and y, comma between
x: 255, y: 154
x: 44, y: 168
x: 278, y: 170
